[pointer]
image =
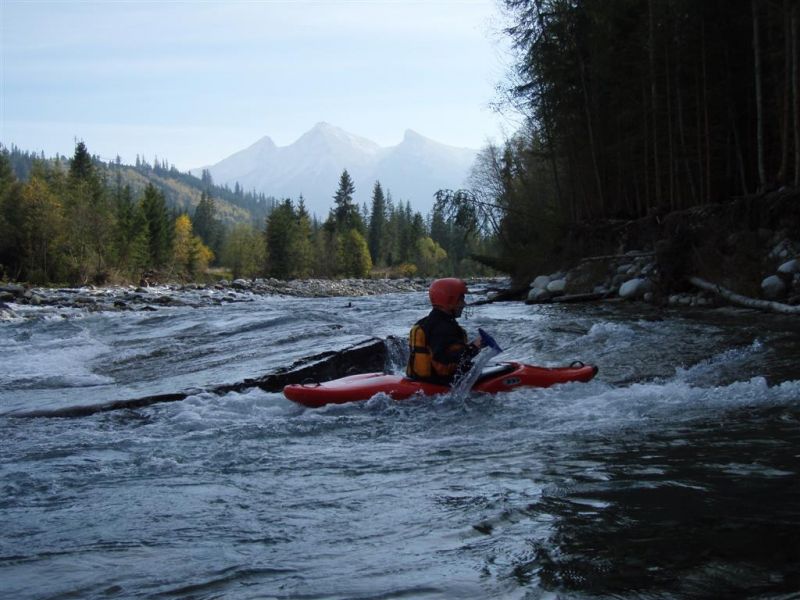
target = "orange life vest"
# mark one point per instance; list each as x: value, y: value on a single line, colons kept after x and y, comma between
x: 421, y: 364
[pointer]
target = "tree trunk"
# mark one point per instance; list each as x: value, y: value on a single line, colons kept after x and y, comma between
x: 684, y: 148
x: 670, y: 135
x: 762, y: 177
x: 796, y: 95
x: 738, y: 299
x: 590, y: 131
x: 787, y: 82
x: 654, y: 102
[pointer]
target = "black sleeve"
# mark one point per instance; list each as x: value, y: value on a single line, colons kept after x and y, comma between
x: 447, y: 344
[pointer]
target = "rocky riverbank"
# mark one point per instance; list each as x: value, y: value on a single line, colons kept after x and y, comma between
x: 14, y: 297
x: 748, y: 248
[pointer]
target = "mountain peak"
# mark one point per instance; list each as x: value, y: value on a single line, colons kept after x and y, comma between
x: 412, y: 170
x: 327, y: 135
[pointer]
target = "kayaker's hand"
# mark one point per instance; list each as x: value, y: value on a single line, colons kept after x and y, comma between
x: 477, y: 342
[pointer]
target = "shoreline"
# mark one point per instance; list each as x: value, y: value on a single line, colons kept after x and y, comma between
x: 118, y: 298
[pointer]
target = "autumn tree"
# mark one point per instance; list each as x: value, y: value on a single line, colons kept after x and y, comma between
x: 190, y: 256
x: 354, y: 259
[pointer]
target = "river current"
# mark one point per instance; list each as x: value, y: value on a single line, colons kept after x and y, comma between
x: 673, y: 474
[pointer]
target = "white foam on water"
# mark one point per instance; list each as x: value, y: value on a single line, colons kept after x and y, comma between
x: 597, y: 406
x: 728, y: 360
x: 52, y: 363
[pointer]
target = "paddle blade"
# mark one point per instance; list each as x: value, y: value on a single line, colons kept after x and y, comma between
x: 488, y: 341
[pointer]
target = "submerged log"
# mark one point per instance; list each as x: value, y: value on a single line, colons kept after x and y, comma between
x: 366, y: 356
x: 738, y: 299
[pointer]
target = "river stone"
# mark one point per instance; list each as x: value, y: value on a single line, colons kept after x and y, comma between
x: 13, y: 289
x: 790, y: 267
x: 773, y: 287
x: 539, y: 295
x: 634, y: 288
x: 540, y: 283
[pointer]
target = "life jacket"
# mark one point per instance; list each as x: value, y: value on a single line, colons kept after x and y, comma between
x: 421, y: 364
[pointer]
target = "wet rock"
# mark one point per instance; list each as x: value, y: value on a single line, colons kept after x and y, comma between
x: 773, y: 287
x: 12, y: 288
x: 635, y: 288
x: 557, y: 286
x: 790, y: 267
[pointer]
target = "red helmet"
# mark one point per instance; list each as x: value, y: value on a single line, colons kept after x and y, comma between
x: 447, y: 293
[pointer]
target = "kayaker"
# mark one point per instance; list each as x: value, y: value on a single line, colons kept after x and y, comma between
x: 438, y: 347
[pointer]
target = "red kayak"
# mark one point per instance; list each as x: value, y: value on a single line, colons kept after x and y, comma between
x: 501, y: 378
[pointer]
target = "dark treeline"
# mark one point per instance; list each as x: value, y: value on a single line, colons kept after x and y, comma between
x: 80, y: 220
x: 639, y: 106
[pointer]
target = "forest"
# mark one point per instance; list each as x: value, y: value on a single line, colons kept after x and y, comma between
x: 634, y: 109
x: 79, y: 221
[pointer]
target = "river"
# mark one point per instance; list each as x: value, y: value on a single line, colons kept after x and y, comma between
x: 673, y: 474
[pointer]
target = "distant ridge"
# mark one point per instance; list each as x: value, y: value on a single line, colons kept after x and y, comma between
x: 412, y: 171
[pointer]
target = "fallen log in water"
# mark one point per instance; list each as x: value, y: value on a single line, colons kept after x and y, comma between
x: 573, y: 298
x: 738, y: 299
x: 366, y: 356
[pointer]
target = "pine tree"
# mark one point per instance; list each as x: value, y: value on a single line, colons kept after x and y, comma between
x: 157, y: 217
x: 377, y: 225
x: 345, y: 210
x: 280, y: 232
x: 243, y: 251
x: 302, y: 249
x: 205, y: 224
x: 80, y: 167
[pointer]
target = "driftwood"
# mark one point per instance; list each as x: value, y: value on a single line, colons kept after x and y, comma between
x: 738, y: 299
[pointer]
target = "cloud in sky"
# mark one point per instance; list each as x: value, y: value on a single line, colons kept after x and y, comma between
x: 194, y: 81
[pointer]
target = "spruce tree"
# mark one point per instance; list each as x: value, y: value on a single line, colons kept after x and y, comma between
x: 345, y: 210
x: 158, y: 225
x: 377, y: 225
x: 80, y: 167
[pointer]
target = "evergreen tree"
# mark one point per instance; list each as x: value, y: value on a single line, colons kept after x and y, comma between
x: 243, y: 251
x: 280, y: 233
x: 327, y: 248
x: 345, y: 210
x: 302, y: 250
x: 80, y: 167
x: 157, y: 218
x: 89, y: 218
x: 205, y: 224
x: 377, y: 225
x: 124, y: 231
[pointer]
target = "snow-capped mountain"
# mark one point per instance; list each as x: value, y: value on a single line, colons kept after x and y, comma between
x: 411, y: 171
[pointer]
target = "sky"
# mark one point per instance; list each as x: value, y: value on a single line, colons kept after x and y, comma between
x: 192, y: 82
